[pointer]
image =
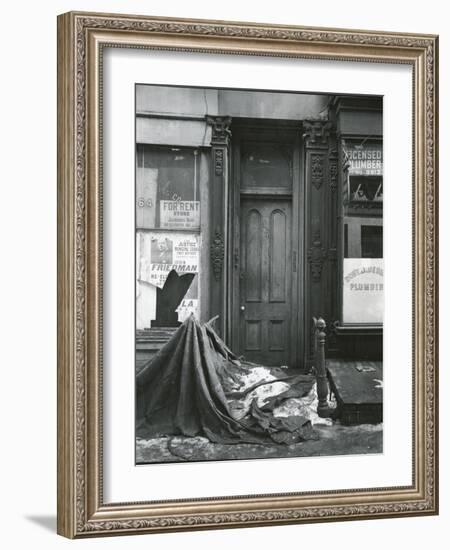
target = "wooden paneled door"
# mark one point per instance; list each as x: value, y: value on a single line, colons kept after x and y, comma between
x: 265, y: 280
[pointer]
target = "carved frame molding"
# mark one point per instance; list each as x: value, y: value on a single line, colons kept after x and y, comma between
x: 81, y: 37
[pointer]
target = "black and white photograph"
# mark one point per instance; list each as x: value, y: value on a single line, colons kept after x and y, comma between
x: 259, y: 296
x: 226, y: 275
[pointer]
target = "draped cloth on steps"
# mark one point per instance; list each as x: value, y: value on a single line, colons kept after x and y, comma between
x: 183, y: 390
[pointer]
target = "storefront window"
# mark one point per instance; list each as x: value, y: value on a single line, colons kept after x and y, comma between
x: 167, y: 188
x: 168, y: 234
x: 371, y: 241
x: 363, y: 267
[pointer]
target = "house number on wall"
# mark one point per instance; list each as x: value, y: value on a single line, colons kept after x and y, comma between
x: 142, y: 202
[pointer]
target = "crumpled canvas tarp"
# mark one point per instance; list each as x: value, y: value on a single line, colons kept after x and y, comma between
x: 189, y: 386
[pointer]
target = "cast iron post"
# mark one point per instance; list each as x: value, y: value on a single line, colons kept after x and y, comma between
x: 320, y: 367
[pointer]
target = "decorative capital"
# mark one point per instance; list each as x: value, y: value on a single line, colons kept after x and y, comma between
x: 221, y: 131
x: 316, y: 132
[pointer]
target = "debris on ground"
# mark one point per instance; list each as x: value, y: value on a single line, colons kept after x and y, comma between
x: 196, y: 386
x: 197, y: 401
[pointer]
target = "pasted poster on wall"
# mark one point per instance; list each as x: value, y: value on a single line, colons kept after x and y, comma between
x: 160, y: 253
x: 189, y: 304
x: 363, y: 299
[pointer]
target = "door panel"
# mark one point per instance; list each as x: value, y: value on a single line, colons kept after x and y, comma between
x: 277, y: 256
x: 253, y: 257
x: 265, y: 280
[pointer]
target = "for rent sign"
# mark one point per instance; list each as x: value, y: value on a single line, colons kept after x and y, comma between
x: 180, y: 214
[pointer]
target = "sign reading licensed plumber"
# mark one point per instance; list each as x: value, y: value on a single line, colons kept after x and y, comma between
x: 365, y: 160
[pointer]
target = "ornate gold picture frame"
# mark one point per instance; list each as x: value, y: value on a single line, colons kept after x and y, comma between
x: 82, y: 41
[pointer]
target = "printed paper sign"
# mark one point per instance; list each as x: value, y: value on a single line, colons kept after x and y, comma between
x: 363, y: 290
x: 180, y: 214
x: 187, y: 306
x: 365, y: 160
x: 163, y: 252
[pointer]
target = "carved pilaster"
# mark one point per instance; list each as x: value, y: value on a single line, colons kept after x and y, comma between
x: 218, y: 161
x: 318, y: 135
x: 217, y: 254
x: 316, y: 256
x: 317, y: 171
x: 220, y: 140
x: 333, y: 169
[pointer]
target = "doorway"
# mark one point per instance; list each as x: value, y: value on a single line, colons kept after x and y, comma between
x: 265, y: 288
x: 266, y: 283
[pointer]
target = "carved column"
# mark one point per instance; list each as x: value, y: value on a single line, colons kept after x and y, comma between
x: 220, y: 140
x: 319, y: 184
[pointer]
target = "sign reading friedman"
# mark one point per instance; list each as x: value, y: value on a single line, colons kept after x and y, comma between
x: 363, y: 300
